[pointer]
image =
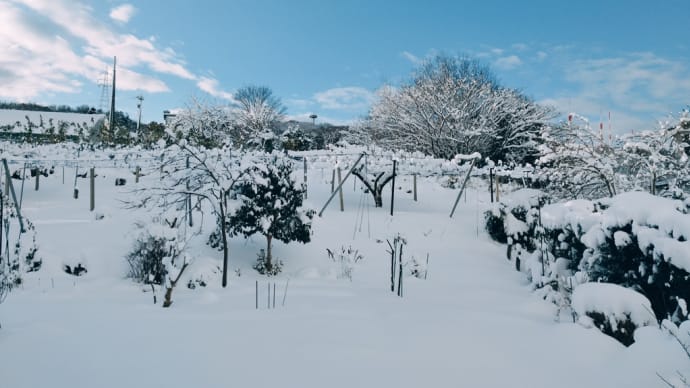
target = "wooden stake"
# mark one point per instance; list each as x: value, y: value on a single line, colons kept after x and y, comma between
x: 21, y: 191
x: 462, y: 188
x: 268, y: 301
x: 38, y: 175
x: 137, y: 173
x: 274, y: 295
x: 256, y: 294
x: 341, y: 183
x: 333, y: 181
x: 414, y: 186
x: 285, y: 293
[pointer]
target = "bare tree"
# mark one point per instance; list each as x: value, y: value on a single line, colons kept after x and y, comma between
x: 193, y: 175
x: 256, y: 111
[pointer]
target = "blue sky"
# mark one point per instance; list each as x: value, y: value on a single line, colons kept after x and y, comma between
x: 630, y: 58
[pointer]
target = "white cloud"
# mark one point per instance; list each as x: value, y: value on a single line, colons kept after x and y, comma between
x: 122, y: 13
x: 57, y: 46
x: 211, y: 86
x: 509, y: 62
x: 415, y: 60
x: 541, y: 55
x: 347, y: 98
x: 520, y: 46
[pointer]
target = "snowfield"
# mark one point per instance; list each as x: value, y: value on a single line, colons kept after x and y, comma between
x: 474, y: 321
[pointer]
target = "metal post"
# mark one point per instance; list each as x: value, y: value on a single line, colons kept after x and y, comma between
x: 491, y: 183
x: 393, y: 188
x: 92, y: 185
x: 340, y: 191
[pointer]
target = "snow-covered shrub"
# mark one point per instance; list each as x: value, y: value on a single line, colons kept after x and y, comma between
x: 641, y: 243
x: 615, y: 310
x: 146, y: 258
x: 75, y: 270
x: 418, y: 268
x: 515, y: 221
x: 19, y: 248
x: 346, y: 258
x: 635, y: 239
x: 263, y: 267
x: 158, y: 257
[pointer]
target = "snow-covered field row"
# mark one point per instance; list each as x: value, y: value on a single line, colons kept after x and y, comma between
x: 473, y: 322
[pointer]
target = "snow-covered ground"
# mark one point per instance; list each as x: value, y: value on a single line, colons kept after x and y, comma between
x: 9, y: 118
x: 474, y: 321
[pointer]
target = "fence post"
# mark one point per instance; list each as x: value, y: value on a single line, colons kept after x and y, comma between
x: 393, y: 188
x: 92, y: 185
x: 9, y: 187
x: 333, y: 181
x: 340, y: 191
x: 414, y: 186
x: 38, y: 175
x: 305, y: 177
x: 491, y: 183
x: 137, y: 172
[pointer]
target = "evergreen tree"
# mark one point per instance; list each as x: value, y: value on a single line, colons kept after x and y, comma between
x: 271, y: 204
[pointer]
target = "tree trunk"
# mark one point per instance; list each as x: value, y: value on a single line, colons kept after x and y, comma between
x: 378, y: 199
x: 167, y: 300
x: 224, y: 236
x: 268, y: 265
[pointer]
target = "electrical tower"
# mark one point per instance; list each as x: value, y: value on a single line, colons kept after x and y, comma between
x: 104, y: 84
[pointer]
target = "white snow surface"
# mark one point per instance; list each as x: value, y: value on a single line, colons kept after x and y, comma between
x: 616, y: 302
x: 474, y: 322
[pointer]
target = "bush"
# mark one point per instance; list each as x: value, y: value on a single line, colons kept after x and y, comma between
x: 265, y: 268
x: 615, y: 310
x: 146, y: 259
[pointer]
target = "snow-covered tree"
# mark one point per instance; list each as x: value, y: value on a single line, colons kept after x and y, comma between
x: 192, y: 176
x: 576, y: 162
x: 256, y: 112
x: 655, y: 158
x: 271, y: 205
x: 454, y: 106
x: 203, y: 123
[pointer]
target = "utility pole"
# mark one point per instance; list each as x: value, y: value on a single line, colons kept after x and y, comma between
x: 141, y: 99
x: 112, y: 105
